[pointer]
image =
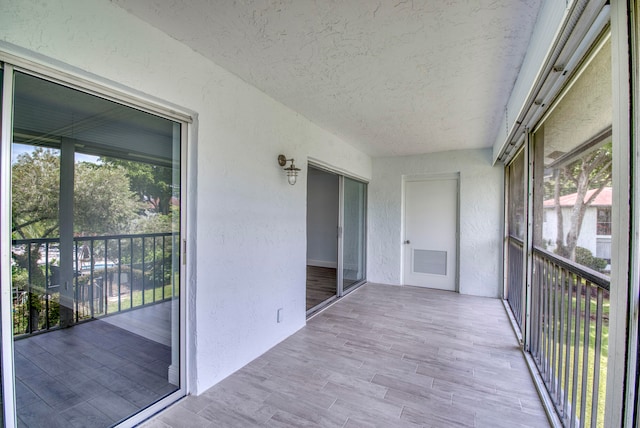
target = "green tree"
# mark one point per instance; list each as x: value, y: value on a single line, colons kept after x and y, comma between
x: 152, y: 183
x: 592, y: 171
x: 35, y: 194
x: 103, y: 201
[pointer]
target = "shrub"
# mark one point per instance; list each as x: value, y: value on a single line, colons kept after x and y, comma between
x: 586, y: 258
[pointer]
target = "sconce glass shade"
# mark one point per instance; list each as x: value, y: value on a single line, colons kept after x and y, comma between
x: 292, y: 176
x: 291, y: 170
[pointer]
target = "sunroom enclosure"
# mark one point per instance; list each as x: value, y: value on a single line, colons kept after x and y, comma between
x: 558, y: 245
x: 94, y: 255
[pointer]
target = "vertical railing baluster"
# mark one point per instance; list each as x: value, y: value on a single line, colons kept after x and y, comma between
x: 567, y: 363
x: 543, y: 277
x: 119, y: 274
x: 532, y: 320
x: 596, y: 358
x: 76, y: 276
x: 132, y: 276
x: 103, y: 296
x: 29, y: 292
x: 47, y: 325
x: 576, y: 354
x: 143, y: 267
x: 547, y: 313
x: 91, y: 283
x: 585, y: 353
x: 534, y: 307
x: 554, y: 341
x: 561, y: 333
x: 154, y: 269
x: 164, y: 263
x: 560, y: 316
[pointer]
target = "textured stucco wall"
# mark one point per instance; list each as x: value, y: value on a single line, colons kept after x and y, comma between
x: 247, y: 235
x: 481, y: 218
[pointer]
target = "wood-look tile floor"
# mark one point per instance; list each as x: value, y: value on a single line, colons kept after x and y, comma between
x: 383, y: 356
x: 91, y: 375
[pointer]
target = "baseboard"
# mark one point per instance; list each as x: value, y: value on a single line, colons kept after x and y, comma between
x: 322, y: 263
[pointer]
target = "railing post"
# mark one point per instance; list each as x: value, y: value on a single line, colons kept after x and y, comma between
x: 91, y: 283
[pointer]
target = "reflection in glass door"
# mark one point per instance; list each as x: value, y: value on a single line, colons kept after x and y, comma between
x: 94, y: 255
x: 322, y: 236
x: 353, y: 233
x: 336, y: 236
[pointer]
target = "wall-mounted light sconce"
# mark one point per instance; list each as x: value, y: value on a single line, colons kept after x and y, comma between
x: 292, y: 171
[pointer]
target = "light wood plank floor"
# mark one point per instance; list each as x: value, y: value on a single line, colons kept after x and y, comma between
x: 152, y: 322
x: 383, y: 356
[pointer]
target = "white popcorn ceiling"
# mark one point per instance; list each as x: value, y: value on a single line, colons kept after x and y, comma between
x: 390, y: 77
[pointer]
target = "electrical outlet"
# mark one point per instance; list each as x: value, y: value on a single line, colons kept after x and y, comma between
x: 279, y: 315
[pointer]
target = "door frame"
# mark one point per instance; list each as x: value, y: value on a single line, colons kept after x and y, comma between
x: 340, y: 291
x: 98, y: 87
x: 403, y: 232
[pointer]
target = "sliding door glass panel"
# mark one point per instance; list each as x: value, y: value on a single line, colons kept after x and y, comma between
x: 354, y: 232
x: 322, y: 236
x: 95, y: 249
x: 572, y: 242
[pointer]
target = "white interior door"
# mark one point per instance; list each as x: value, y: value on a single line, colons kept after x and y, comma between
x: 431, y: 230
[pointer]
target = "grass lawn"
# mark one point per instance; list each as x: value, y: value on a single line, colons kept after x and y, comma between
x: 138, y: 298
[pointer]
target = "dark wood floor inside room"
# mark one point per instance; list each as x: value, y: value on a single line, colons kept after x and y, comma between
x: 321, y: 285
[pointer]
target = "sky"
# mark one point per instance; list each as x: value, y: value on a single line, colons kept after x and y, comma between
x: 18, y: 149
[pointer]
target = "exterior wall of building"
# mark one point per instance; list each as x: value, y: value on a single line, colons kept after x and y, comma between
x: 480, y: 223
x: 587, y: 238
x: 247, y: 225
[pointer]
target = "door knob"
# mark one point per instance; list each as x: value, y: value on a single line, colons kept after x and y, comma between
x: 407, y: 242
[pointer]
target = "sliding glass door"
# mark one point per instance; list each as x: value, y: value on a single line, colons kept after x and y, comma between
x: 94, y: 256
x: 336, y: 236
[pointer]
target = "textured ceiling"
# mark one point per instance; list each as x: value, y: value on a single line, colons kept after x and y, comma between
x: 390, y: 77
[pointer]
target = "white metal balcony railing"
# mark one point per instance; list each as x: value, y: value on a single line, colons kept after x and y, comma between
x: 515, y: 278
x: 569, y: 333
x: 569, y: 308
